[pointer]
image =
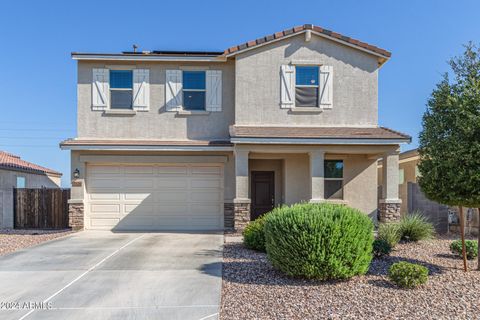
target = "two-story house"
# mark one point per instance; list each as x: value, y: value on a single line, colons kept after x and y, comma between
x: 211, y: 140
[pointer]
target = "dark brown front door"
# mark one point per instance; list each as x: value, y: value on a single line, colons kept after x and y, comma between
x: 263, y: 193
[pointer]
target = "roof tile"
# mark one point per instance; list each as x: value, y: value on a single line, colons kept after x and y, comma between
x: 11, y: 161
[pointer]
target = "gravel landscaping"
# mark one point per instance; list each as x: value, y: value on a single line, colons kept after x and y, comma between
x: 252, y: 289
x: 15, y: 239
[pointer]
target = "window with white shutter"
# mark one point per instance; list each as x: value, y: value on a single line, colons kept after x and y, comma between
x: 100, y: 89
x: 141, y: 89
x: 173, y: 90
x: 214, y: 90
x: 326, y: 87
x: 287, y: 86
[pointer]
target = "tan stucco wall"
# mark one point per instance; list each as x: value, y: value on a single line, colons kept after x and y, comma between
x: 8, y: 180
x: 156, y: 123
x: 408, y: 165
x: 355, y: 87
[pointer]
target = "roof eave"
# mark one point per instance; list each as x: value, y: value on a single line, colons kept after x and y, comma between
x: 147, y: 57
x: 382, y: 58
x: 320, y: 141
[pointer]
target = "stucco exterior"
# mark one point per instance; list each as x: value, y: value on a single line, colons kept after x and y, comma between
x: 8, y: 181
x: 257, y: 83
x: 156, y: 123
x: 251, y: 96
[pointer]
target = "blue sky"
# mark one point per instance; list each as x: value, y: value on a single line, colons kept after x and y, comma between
x: 37, y: 77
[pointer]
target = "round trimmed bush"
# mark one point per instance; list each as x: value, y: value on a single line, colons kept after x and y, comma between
x: 319, y: 241
x: 471, y: 247
x: 408, y: 275
x: 381, y: 248
x: 254, y: 236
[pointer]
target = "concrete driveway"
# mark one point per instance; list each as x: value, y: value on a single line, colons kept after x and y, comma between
x: 104, y: 275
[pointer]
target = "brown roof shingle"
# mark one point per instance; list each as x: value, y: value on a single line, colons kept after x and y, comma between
x: 298, y: 29
x: 11, y: 161
x: 316, y: 132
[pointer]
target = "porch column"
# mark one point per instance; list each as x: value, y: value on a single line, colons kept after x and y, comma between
x: 241, y: 203
x: 317, y: 176
x: 389, y: 204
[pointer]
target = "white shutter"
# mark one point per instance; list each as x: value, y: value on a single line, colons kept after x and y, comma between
x: 100, y: 88
x: 173, y: 90
x: 287, y: 86
x: 141, y: 89
x: 326, y: 87
x: 214, y: 90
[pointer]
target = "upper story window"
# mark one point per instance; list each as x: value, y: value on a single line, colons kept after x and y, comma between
x: 333, y: 179
x: 21, y: 183
x: 306, y: 86
x: 194, y: 90
x: 121, y: 89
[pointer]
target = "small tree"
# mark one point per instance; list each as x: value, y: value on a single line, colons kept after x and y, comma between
x: 450, y: 141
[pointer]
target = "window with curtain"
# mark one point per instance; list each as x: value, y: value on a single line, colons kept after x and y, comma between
x: 306, y: 86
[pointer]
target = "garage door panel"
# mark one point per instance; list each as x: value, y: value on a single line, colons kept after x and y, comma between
x: 172, y: 170
x: 171, y: 196
x: 206, y: 183
x: 129, y: 183
x: 104, y: 196
x: 205, y: 197
x: 206, y: 170
x: 105, y: 208
x: 169, y: 183
x: 105, y: 183
x: 106, y: 223
x: 155, y: 197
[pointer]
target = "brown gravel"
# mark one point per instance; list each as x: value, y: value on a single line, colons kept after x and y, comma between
x: 14, y: 239
x: 252, y: 289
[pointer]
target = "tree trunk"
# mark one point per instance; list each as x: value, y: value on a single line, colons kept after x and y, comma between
x: 478, y: 257
x: 462, y: 234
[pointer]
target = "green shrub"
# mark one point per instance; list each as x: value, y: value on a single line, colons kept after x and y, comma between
x: 416, y: 227
x: 381, y: 248
x: 470, y: 245
x: 319, y: 241
x: 390, y: 233
x: 408, y: 275
x: 254, y: 236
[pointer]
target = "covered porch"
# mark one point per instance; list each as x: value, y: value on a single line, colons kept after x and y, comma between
x: 270, y: 175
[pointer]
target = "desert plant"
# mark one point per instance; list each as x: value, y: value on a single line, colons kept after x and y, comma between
x: 319, y: 241
x: 471, y: 248
x: 254, y: 235
x: 408, y: 275
x: 389, y: 232
x: 416, y: 227
x: 381, y: 248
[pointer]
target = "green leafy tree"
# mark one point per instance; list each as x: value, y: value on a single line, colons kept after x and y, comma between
x: 450, y: 141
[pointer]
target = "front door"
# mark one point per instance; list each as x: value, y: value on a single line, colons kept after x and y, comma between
x: 263, y: 193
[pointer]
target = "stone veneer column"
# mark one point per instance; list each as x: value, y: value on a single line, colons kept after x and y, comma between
x: 76, y: 215
x: 76, y: 210
x: 241, y: 203
x: 389, y: 205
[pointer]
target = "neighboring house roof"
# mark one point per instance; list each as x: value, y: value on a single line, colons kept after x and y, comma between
x: 383, y: 54
x: 409, y: 154
x: 10, y: 161
x: 316, y: 132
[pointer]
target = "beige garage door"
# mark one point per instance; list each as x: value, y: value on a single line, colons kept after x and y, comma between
x: 154, y: 197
